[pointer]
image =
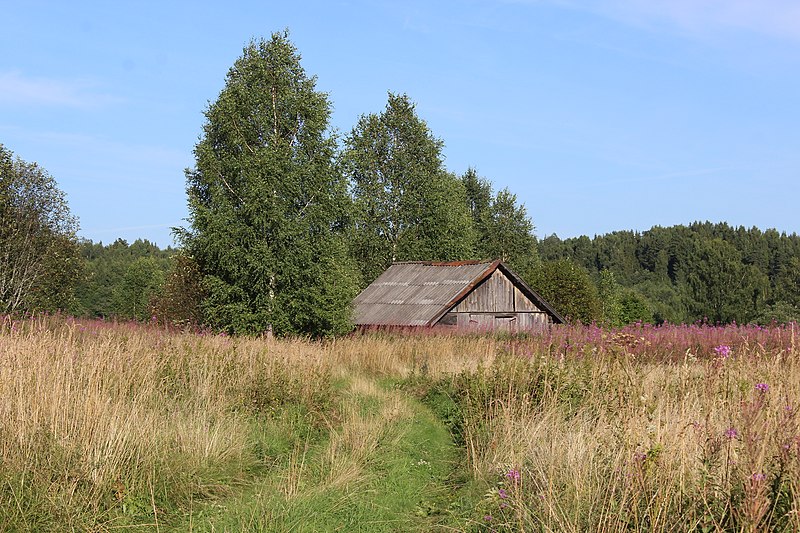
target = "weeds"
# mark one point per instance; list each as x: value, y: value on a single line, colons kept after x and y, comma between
x: 684, y: 428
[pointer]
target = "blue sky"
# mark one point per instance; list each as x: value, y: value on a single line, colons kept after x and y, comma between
x: 600, y: 115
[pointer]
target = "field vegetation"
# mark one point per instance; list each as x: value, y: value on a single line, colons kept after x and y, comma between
x: 107, y: 426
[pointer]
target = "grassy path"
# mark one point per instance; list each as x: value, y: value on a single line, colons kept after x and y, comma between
x: 385, y: 467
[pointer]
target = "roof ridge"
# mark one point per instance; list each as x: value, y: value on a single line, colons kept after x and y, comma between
x: 444, y: 263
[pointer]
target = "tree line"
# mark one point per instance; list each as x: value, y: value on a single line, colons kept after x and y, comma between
x: 703, y: 271
x: 288, y: 221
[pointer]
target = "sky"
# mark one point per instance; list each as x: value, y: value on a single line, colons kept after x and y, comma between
x: 600, y: 115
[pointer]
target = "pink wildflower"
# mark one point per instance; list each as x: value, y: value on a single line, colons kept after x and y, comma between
x: 723, y: 351
x: 731, y: 433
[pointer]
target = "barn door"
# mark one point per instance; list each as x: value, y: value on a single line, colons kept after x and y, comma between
x: 505, y: 322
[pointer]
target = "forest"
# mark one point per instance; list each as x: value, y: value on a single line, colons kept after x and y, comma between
x: 288, y: 222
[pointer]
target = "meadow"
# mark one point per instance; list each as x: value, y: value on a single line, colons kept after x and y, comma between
x: 124, y: 426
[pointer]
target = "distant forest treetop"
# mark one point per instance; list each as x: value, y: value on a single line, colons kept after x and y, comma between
x: 703, y: 271
x: 120, y: 280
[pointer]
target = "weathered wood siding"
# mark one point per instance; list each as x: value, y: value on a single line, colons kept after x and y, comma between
x: 522, y: 303
x: 495, y: 294
x: 497, y: 304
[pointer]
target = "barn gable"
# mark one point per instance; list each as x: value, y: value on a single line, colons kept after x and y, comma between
x: 463, y: 294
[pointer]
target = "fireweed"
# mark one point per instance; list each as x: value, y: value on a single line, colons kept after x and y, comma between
x: 664, y: 428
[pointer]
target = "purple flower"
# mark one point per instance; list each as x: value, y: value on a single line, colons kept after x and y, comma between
x: 758, y: 477
x: 762, y: 387
x: 488, y: 518
x: 723, y: 351
x: 731, y: 433
x: 513, y: 475
x: 502, y: 493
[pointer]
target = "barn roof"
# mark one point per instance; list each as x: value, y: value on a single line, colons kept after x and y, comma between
x: 419, y: 293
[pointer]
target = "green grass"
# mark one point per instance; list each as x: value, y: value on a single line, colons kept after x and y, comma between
x: 402, y: 484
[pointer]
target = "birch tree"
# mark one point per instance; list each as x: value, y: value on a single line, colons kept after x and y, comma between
x: 407, y: 206
x: 38, y: 252
x: 267, y: 206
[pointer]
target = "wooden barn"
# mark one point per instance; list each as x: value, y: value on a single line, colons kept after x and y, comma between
x: 463, y: 294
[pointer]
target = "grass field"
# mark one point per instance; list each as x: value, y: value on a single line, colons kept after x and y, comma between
x: 132, y: 427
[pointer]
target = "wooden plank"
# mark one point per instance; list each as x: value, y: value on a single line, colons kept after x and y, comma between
x: 497, y: 294
x: 523, y: 303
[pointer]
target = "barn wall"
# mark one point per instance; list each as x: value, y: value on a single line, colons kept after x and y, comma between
x: 497, y: 304
x: 522, y: 303
x: 498, y: 294
x: 525, y: 321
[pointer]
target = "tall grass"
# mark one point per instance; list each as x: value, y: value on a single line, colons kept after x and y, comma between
x: 104, y: 424
x: 615, y: 439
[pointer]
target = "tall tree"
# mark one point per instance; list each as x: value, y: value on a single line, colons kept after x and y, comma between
x: 719, y: 286
x: 407, y: 206
x: 180, y: 300
x: 787, y: 282
x: 509, y: 233
x: 39, y: 261
x: 267, y: 205
x: 479, y: 193
x: 135, y: 295
x: 502, y: 226
x: 569, y: 289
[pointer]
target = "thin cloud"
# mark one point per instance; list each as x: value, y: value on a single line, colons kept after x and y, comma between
x: 128, y: 162
x: 773, y: 18
x: 17, y: 89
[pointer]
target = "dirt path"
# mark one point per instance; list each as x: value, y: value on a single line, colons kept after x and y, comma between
x: 385, y: 467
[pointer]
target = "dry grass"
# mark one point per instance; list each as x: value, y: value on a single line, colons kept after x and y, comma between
x: 92, y: 414
x: 399, y: 356
x: 95, y: 417
x: 614, y: 444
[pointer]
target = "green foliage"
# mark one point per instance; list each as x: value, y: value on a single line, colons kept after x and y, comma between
x: 689, y: 273
x: 38, y: 254
x: 182, y: 294
x: 569, y: 289
x: 268, y: 209
x: 787, y: 281
x: 121, y: 280
x: 633, y: 307
x: 620, y: 305
x: 609, y: 293
x: 779, y: 312
x: 479, y: 198
x: 719, y: 285
x: 407, y: 206
x: 503, y: 229
x: 142, y: 281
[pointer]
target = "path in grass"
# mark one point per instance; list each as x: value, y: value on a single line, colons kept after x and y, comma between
x: 386, y: 466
